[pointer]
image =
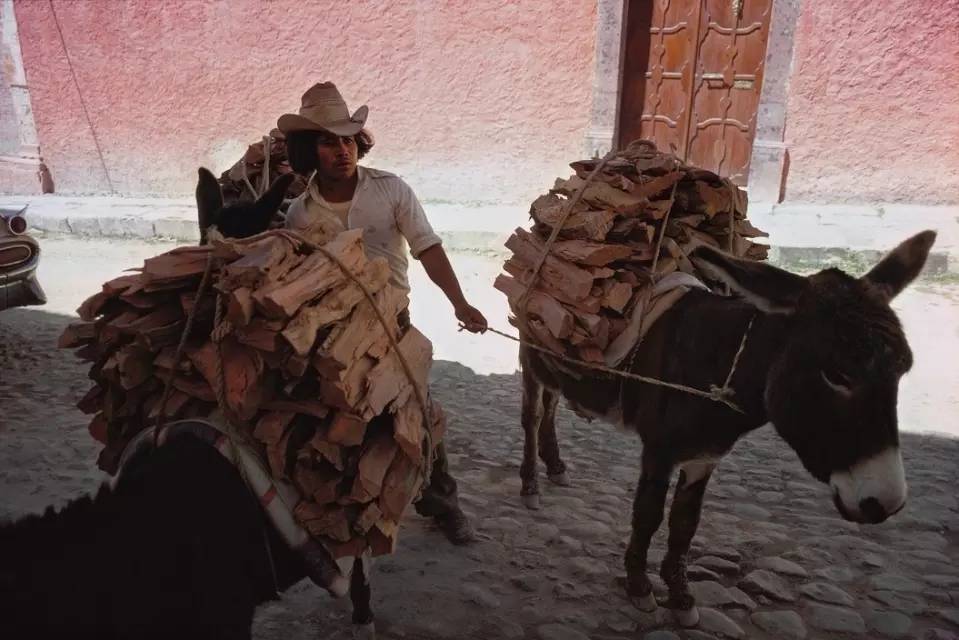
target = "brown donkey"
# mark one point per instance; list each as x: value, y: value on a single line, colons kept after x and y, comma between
x: 822, y: 364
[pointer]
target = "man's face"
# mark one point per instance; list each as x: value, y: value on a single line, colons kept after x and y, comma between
x: 337, y: 156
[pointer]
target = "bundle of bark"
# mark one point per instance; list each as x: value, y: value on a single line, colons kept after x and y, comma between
x: 309, y: 376
x: 601, y: 265
x: 262, y: 163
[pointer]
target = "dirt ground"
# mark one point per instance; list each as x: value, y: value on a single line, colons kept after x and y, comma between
x: 772, y: 559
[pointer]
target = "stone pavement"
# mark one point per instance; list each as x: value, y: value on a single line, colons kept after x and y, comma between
x: 771, y: 560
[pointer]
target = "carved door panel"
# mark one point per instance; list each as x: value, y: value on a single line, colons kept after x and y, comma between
x: 692, y: 78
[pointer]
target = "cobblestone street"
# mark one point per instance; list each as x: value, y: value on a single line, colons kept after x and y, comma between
x: 771, y: 560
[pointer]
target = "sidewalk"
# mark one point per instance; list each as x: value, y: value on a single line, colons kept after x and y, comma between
x: 798, y: 232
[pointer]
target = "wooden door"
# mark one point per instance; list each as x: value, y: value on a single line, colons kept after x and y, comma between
x: 692, y: 76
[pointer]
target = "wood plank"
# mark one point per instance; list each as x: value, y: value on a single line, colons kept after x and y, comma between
x: 583, y: 252
x: 331, y: 452
x: 383, y: 538
x: 272, y: 426
x: 174, y: 406
x: 312, y: 278
x: 239, y: 306
x: 134, y: 366
x: 346, y: 429
x: 582, y: 224
x: 601, y: 195
x: 348, y: 391
x: 324, y: 520
x: 375, y: 460
x: 193, y: 386
x: 522, y: 273
x: 361, y: 332
x: 314, y: 408
x: 553, y: 314
x: 91, y: 400
x: 408, y: 430
x: 320, y: 484
x: 251, y: 268
x: 367, y: 519
x: 595, y: 326
x: 616, y: 295
x: 400, y: 485
x: 174, y: 265
x: 261, y: 334
x: 388, y: 383
x: 336, y: 305
x: 77, y: 334
x: 576, y: 281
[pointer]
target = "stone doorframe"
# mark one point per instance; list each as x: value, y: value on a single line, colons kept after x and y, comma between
x: 769, y: 162
x: 18, y: 170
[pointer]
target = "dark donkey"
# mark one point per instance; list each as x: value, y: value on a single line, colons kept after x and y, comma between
x: 822, y: 363
x: 178, y: 546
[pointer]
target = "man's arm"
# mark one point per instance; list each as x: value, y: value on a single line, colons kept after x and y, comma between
x: 440, y: 271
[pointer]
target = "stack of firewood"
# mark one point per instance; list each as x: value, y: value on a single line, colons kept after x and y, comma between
x: 252, y: 174
x: 602, y: 262
x: 309, y: 376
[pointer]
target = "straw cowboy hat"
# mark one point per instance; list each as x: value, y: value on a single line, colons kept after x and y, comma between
x: 323, y: 109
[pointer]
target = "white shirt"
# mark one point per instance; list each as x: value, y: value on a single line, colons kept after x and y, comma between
x: 387, y: 210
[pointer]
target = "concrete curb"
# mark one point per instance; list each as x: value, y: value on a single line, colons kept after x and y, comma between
x: 804, y: 233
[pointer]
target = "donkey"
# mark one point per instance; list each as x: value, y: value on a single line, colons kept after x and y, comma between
x: 178, y: 547
x: 822, y: 363
x: 241, y: 219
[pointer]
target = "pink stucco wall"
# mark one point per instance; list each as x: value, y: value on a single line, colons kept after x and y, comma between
x: 873, y: 109
x: 480, y: 100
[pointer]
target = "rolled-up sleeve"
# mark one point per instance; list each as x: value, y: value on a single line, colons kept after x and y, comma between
x: 412, y: 221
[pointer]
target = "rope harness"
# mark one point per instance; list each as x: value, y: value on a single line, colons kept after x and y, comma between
x: 723, y: 394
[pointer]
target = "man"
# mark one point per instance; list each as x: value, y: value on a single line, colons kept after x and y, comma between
x: 325, y: 142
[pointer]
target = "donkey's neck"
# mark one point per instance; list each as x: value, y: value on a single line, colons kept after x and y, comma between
x: 764, y: 343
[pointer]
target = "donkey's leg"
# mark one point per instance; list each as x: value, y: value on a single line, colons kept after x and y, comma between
x: 548, y: 443
x: 360, y: 592
x: 532, y: 410
x: 683, y: 521
x: 647, y: 516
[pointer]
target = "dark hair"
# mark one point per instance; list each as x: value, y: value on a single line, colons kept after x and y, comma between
x: 301, y: 149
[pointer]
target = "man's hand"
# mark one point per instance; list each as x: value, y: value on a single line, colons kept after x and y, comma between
x: 472, y: 319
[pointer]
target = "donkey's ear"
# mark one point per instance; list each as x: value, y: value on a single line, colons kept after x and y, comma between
x: 901, y: 265
x: 269, y: 203
x: 209, y: 201
x: 768, y: 288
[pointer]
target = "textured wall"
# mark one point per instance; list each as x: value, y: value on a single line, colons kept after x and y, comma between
x: 484, y: 100
x: 873, y: 110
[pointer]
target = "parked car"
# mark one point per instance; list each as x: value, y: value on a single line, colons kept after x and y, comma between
x: 19, y: 256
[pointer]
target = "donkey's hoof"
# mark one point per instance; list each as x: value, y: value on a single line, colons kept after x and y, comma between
x: 560, y: 479
x: 364, y: 631
x: 531, y: 501
x: 645, y: 603
x: 687, y: 618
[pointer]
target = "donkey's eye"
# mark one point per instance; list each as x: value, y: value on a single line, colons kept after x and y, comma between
x: 837, y: 381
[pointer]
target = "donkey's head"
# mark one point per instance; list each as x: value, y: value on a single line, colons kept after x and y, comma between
x: 831, y: 389
x: 242, y: 219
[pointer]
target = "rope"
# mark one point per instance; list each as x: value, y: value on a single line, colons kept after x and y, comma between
x: 187, y: 330
x: 221, y: 328
x: 648, y: 294
x: 523, y: 299
x: 716, y: 394
x: 407, y: 369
